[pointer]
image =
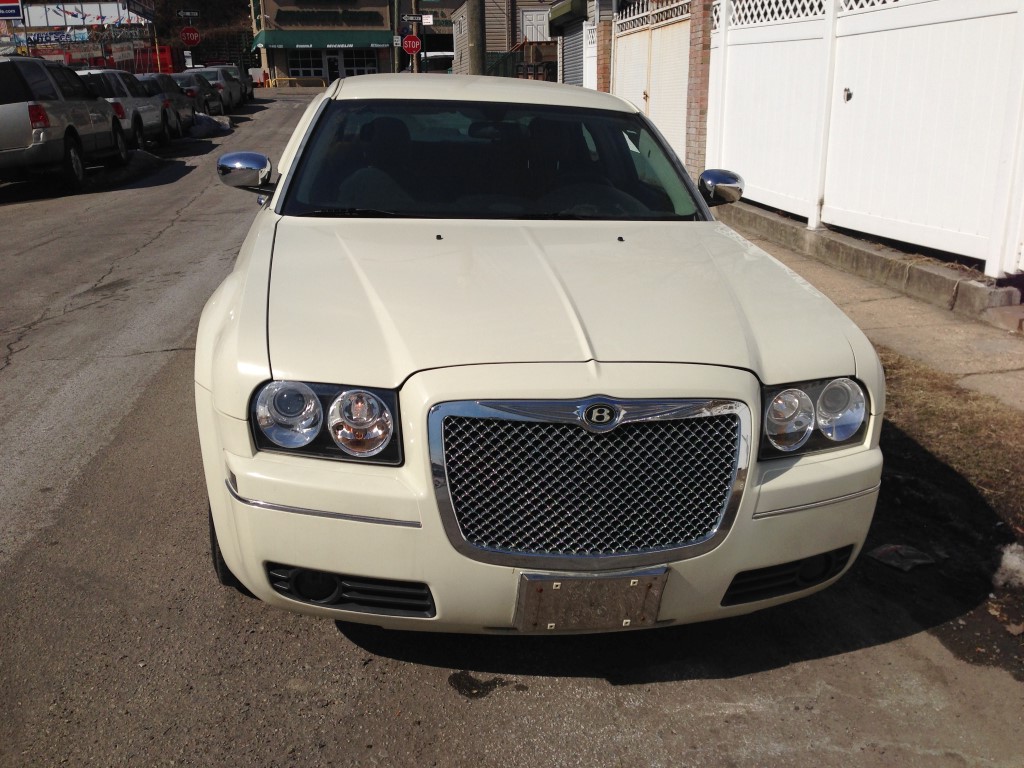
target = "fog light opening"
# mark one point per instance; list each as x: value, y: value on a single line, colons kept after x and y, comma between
x: 315, y: 586
x: 815, y: 569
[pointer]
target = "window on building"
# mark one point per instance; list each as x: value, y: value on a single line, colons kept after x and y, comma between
x: 362, y: 62
x: 305, y: 63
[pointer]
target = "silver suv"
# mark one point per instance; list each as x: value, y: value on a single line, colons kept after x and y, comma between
x: 51, y: 120
x: 142, y: 116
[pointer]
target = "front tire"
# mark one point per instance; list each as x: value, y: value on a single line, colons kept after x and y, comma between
x: 220, y: 568
x: 138, y: 136
x: 164, y: 137
x: 74, y: 164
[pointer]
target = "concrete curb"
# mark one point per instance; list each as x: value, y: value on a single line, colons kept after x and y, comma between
x: 964, y: 293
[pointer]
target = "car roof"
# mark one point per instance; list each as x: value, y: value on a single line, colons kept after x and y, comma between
x: 474, y: 88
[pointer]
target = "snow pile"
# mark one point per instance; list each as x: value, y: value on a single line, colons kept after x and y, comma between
x: 1011, y: 569
x: 206, y: 126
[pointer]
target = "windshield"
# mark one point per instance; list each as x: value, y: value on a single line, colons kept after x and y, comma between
x: 437, y: 159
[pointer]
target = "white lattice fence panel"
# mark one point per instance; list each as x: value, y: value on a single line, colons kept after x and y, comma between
x: 746, y: 13
x: 646, y: 13
x: 864, y: 5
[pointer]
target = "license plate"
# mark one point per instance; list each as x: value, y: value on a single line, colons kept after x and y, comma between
x: 589, y: 603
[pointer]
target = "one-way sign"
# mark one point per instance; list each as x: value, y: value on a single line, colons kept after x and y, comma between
x: 188, y: 14
x: 414, y: 18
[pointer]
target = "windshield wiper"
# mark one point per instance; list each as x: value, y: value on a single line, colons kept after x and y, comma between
x: 353, y: 212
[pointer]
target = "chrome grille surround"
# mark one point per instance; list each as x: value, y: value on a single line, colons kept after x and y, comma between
x: 511, y: 477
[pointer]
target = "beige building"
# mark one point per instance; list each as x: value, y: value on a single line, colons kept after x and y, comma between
x: 309, y: 42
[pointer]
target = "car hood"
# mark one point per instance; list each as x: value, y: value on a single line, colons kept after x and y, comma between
x: 369, y: 302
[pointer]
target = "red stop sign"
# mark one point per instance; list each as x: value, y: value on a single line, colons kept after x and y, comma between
x: 411, y: 44
x: 190, y: 36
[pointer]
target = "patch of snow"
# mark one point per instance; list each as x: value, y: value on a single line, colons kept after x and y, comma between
x: 206, y: 126
x: 1011, y: 569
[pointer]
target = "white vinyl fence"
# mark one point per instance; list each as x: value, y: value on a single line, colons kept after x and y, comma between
x: 652, y: 62
x: 898, y: 118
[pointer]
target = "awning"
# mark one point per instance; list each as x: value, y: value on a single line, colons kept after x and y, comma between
x: 322, y: 38
x: 564, y: 13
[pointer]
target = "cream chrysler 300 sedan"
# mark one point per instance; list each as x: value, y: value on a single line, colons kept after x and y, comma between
x: 486, y: 363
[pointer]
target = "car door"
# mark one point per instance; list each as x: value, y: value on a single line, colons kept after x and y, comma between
x: 15, y: 92
x: 148, y: 107
x: 81, y: 108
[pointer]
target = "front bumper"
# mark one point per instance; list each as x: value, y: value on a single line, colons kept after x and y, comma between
x: 383, y: 522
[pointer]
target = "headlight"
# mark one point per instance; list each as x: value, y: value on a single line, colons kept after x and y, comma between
x: 789, y: 419
x: 328, y: 421
x: 289, y: 413
x: 813, y: 416
x: 841, y: 408
x: 360, y: 423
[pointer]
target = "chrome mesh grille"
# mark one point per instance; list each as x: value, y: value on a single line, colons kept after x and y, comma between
x: 539, y: 488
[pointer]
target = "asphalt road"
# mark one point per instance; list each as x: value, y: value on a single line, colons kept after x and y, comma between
x: 117, y: 647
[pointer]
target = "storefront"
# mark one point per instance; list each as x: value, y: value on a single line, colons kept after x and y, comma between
x: 322, y: 56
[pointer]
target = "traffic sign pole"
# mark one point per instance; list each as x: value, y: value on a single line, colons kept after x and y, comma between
x: 416, y: 32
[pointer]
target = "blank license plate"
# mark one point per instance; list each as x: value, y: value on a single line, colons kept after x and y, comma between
x: 589, y: 603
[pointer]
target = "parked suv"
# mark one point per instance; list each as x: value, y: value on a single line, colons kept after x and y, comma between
x: 142, y: 116
x: 50, y: 119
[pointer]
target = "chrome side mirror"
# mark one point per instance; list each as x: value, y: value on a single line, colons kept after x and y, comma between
x: 246, y: 170
x: 719, y: 187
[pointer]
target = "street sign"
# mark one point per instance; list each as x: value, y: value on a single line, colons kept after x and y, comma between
x: 411, y: 44
x: 188, y: 14
x: 11, y: 9
x: 428, y: 19
x: 190, y: 36
x: 412, y: 18
x: 397, y: 41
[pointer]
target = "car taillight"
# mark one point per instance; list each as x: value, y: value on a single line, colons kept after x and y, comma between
x: 118, y: 109
x: 219, y: 86
x: 38, y: 117
x: 167, y: 104
x: 190, y: 92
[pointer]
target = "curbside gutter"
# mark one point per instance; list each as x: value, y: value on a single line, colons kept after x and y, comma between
x: 965, y: 293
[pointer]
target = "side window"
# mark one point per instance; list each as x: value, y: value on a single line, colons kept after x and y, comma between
x: 70, y: 85
x: 116, y: 86
x: 134, y: 86
x: 40, y: 86
x: 99, y: 84
x: 12, y: 89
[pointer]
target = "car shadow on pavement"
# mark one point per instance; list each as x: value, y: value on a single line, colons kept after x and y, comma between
x: 184, y: 148
x: 923, y: 504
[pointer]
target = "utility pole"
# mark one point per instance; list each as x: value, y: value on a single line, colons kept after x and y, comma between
x: 477, y: 35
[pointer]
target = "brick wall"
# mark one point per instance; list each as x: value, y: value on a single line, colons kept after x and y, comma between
x: 604, y: 56
x: 697, y: 90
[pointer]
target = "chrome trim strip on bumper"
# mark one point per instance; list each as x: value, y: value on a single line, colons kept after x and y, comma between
x: 813, y: 505
x: 319, y: 513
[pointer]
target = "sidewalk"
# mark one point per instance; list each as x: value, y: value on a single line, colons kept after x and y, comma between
x: 959, y: 334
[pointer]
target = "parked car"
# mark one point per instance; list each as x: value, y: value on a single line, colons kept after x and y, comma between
x: 544, y: 392
x: 142, y: 116
x: 225, y: 83
x: 178, y: 108
x: 51, y: 120
x: 241, y: 75
x: 205, y: 98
